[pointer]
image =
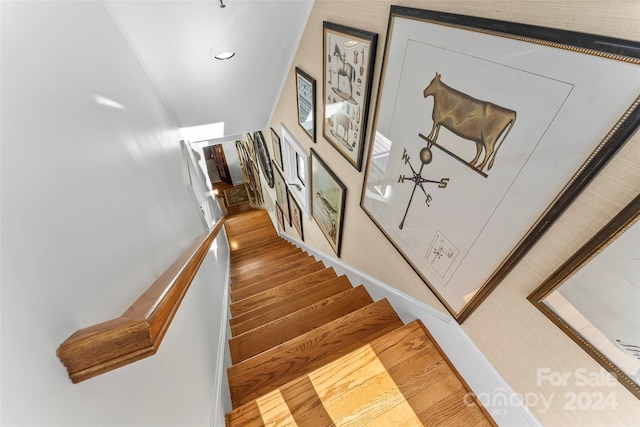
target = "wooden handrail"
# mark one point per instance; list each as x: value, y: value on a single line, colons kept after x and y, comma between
x: 138, y: 332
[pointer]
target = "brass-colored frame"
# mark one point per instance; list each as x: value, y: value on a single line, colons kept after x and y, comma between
x: 605, y: 237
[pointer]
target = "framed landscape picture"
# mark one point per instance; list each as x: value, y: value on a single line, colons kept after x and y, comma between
x: 327, y: 203
x: 594, y: 297
x: 349, y: 57
x: 306, y: 95
x: 480, y: 140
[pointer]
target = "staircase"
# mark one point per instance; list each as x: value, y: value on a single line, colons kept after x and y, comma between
x: 310, y: 349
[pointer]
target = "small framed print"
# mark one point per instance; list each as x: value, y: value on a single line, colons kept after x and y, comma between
x: 306, y: 95
x: 296, y: 217
x: 349, y: 56
x: 282, y: 194
x: 328, y: 201
x: 277, y: 149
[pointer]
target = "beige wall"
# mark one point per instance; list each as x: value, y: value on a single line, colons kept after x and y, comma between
x: 511, y: 332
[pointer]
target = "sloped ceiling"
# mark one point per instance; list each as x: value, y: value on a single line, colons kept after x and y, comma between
x: 173, y: 40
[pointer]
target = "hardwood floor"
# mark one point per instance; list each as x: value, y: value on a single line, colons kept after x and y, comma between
x: 310, y: 349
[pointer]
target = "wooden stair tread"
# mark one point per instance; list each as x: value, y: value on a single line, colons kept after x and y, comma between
x: 274, y: 295
x: 242, y: 226
x: 310, y: 279
x: 248, y: 254
x: 295, y: 302
x: 244, y: 259
x: 401, y: 378
x: 281, y: 274
x: 275, y: 258
x: 275, y: 367
x: 255, y: 253
x: 250, y: 239
x: 285, y: 328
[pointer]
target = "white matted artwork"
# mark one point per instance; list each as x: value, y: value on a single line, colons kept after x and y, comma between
x: 349, y: 57
x: 480, y: 140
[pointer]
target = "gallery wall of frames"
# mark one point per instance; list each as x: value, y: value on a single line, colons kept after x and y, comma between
x: 463, y: 155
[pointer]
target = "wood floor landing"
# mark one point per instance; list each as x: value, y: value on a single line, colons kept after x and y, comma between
x: 310, y: 349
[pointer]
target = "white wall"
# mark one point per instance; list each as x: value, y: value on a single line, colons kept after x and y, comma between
x: 94, y: 208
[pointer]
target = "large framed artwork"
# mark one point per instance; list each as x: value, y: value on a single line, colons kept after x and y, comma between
x: 349, y: 57
x: 594, y: 297
x: 306, y: 95
x: 282, y: 194
x: 327, y: 203
x: 484, y: 132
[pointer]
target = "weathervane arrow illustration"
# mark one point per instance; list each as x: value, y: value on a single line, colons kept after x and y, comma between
x: 418, y: 181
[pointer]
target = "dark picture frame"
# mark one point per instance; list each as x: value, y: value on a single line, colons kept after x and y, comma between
x: 328, y: 201
x: 277, y: 149
x: 348, y: 57
x: 264, y: 159
x: 306, y: 97
x: 280, y: 215
x: 594, y: 297
x: 445, y: 210
x: 282, y: 194
x: 296, y: 217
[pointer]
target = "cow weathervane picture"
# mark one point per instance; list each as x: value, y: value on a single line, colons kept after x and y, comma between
x: 479, y: 140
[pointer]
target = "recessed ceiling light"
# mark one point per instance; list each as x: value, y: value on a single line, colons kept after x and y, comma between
x: 222, y: 52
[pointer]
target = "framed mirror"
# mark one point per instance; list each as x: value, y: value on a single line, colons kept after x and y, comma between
x: 594, y: 297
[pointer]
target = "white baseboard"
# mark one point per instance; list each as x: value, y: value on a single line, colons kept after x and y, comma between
x: 505, y: 406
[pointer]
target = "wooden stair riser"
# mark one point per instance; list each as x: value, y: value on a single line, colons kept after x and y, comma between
x: 273, y: 295
x: 260, y: 262
x: 271, y: 269
x: 267, y: 255
x: 295, y: 302
x: 281, y: 274
x: 281, y: 330
x: 310, y: 278
x: 277, y: 366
